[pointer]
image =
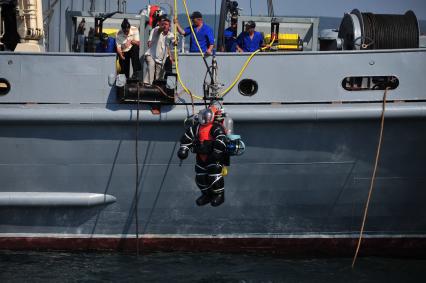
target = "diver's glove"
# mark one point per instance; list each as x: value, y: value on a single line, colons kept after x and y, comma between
x: 183, y: 153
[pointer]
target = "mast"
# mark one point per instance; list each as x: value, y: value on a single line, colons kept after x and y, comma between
x: 92, y: 6
x: 221, y: 28
x: 270, y: 8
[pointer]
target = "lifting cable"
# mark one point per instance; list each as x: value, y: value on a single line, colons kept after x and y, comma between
x: 373, y: 177
x: 237, y: 78
x: 136, y: 196
x: 137, y: 174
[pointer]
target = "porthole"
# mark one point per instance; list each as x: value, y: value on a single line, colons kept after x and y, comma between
x: 4, y: 86
x: 248, y: 87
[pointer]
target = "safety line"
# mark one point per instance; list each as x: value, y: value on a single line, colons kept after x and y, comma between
x: 373, y: 177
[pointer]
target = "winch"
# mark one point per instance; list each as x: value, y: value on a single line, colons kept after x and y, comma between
x: 379, y: 31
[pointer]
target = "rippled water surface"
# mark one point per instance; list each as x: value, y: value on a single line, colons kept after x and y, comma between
x: 200, y: 267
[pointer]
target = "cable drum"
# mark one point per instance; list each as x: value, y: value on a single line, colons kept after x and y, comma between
x: 379, y: 31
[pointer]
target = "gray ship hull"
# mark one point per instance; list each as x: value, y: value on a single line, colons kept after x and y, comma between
x: 301, y: 185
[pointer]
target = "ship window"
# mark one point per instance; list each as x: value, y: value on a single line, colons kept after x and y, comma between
x: 370, y: 83
x: 4, y: 86
x: 248, y: 87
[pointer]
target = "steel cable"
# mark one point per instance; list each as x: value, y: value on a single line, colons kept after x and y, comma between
x: 390, y: 31
x: 137, y: 174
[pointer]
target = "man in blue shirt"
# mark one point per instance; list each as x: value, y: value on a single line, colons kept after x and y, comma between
x: 249, y: 40
x: 106, y: 45
x: 230, y: 35
x: 204, y: 33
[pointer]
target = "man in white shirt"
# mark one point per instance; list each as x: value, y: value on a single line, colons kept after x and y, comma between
x: 127, y: 42
x: 159, y: 45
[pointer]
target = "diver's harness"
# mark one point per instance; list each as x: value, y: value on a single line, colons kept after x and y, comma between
x: 234, y: 144
x: 212, y: 98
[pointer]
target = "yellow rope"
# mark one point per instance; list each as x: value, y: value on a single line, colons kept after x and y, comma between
x: 373, y: 177
x: 192, y: 29
x: 238, y: 77
x: 177, y: 58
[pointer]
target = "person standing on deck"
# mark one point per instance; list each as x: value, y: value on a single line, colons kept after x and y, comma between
x: 106, y: 45
x: 249, y: 40
x: 127, y: 43
x: 204, y: 33
x: 159, y: 46
x: 231, y: 36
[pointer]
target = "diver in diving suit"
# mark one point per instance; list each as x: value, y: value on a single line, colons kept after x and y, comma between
x: 207, y: 139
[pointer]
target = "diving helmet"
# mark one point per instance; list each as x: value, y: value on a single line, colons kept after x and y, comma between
x: 205, y: 116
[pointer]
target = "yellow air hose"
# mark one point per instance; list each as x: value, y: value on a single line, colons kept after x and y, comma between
x: 192, y: 29
x: 177, y: 59
x: 237, y: 78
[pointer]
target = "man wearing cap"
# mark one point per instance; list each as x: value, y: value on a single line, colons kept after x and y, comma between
x: 106, y: 45
x: 249, y: 40
x: 204, y: 33
x: 230, y: 35
x: 127, y: 43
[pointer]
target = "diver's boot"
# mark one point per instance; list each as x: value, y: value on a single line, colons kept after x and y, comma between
x: 217, y: 199
x: 204, y: 199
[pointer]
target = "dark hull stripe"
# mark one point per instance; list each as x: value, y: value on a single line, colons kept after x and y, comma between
x: 405, y: 247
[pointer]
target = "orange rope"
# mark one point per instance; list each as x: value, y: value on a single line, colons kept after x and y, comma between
x: 373, y: 177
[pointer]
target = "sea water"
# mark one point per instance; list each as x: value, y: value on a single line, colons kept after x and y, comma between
x: 201, y: 267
